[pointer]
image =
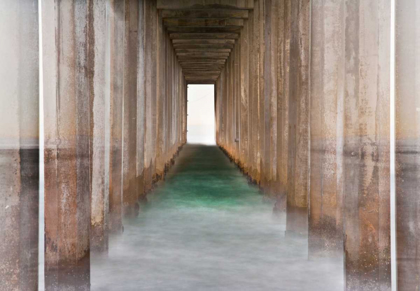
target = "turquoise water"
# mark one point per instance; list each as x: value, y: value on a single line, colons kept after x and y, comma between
x: 206, y: 228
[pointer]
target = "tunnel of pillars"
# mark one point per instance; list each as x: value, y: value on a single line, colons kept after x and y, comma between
x: 302, y: 92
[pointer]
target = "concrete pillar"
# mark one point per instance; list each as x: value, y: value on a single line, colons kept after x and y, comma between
x: 141, y: 97
x: 67, y: 144
x: 326, y: 124
x: 19, y: 145
x: 100, y: 124
x: 244, y: 99
x: 366, y: 145
x: 130, y: 190
x: 282, y: 9
x: 408, y: 143
x: 298, y: 157
x: 262, y: 124
x: 255, y: 95
x: 117, y: 32
x: 160, y: 99
x: 283, y: 95
x: 151, y: 87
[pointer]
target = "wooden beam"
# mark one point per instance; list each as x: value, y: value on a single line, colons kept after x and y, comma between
x: 201, y: 4
x: 223, y: 35
x: 205, y: 13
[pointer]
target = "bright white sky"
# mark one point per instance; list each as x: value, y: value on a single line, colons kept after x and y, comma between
x: 201, y: 120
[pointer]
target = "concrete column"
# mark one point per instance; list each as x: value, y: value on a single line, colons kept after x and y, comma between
x: 283, y: 55
x: 366, y: 145
x: 19, y: 145
x: 408, y: 143
x: 100, y: 125
x: 67, y: 144
x: 151, y: 87
x: 270, y: 94
x: 251, y: 100
x: 262, y: 123
x: 285, y: 9
x: 254, y: 15
x: 160, y: 99
x: 326, y: 123
x: 130, y: 190
x: 117, y: 27
x: 298, y: 166
x: 141, y: 97
x: 244, y: 98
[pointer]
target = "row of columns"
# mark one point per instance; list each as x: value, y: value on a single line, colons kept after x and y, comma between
x: 114, y: 118
x: 303, y: 107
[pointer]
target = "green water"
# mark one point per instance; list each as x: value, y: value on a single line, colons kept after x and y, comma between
x: 206, y: 228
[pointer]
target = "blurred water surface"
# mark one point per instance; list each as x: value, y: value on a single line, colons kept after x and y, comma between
x: 206, y: 228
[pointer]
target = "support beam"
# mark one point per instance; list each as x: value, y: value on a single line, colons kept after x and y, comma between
x: 117, y: 26
x: 222, y: 35
x: 204, y: 41
x: 205, y: 13
x: 203, y: 50
x: 205, y: 4
x: 179, y: 29
x: 203, y: 22
x: 203, y: 55
x: 203, y: 46
x: 298, y: 176
x: 366, y: 170
x: 67, y: 128
x: 19, y: 145
x: 326, y: 121
x: 130, y: 185
x: 407, y: 131
x: 100, y: 102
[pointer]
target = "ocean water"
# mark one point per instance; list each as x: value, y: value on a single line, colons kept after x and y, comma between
x: 206, y: 228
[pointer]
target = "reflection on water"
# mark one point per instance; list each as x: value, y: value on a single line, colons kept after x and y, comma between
x: 206, y: 228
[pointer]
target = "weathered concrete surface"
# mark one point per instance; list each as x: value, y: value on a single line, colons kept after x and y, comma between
x: 366, y: 162
x: 263, y: 104
x: 131, y: 42
x: 117, y: 34
x: 407, y: 131
x: 67, y: 138
x: 298, y: 156
x: 100, y: 124
x: 115, y: 117
x: 326, y: 125
x: 19, y: 145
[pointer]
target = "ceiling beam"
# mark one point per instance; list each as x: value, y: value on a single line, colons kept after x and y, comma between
x: 203, y: 50
x: 203, y: 55
x: 203, y: 22
x: 183, y: 29
x: 199, y: 46
x: 201, y: 4
x: 203, y: 41
x: 205, y: 13
x: 223, y: 35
